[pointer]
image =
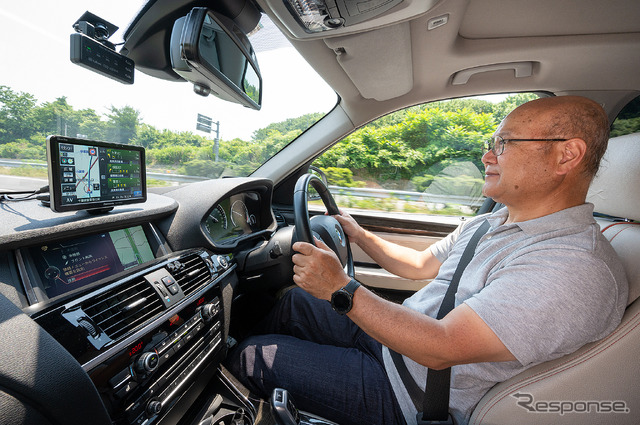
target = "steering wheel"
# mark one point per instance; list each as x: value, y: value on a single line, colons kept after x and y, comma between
x: 324, y: 227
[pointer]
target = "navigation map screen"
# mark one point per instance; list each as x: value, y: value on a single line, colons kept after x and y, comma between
x: 72, y: 264
x: 86, y: 174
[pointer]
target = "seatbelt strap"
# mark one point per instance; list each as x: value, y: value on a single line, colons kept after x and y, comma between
x: 435, y: 398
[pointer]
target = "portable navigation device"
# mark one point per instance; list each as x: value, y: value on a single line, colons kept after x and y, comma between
x: 90, y: 175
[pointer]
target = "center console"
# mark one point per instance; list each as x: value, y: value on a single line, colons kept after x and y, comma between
x: 147, y: 337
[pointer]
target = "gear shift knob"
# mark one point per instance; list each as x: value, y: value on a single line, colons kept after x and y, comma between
x: 283, y: 409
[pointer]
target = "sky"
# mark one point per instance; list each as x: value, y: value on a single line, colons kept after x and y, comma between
x: 34, y: 47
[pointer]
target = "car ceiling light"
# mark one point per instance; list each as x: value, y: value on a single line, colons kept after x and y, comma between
x: 323, y: 15
x: 313, y: 15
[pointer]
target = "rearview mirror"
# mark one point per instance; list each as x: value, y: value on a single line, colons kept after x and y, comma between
x: 210, y: 51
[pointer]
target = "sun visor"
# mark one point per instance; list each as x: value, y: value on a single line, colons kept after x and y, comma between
x: 359, y: 56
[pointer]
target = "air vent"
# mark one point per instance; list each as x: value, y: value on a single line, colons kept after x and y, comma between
x: 124, y: 308
x: 192, y: 274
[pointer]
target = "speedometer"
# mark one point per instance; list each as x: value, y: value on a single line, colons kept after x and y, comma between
x: 239, y: 214
x: 216, y: 223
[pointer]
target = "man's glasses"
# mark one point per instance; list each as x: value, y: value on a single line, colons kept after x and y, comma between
x: 496, y: 143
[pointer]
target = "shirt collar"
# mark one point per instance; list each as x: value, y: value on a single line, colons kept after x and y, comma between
x: 578, y: 215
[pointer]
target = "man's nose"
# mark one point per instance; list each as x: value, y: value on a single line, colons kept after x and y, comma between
x: 489, y: 157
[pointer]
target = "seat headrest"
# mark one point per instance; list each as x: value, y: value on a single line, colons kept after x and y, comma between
x: 614, y: 190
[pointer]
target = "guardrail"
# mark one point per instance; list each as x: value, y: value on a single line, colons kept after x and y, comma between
x: 407, y: 196
x: 336, y: 190
x: 14, y: 163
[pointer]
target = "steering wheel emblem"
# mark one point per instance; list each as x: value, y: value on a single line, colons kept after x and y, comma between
x: 340, y: 237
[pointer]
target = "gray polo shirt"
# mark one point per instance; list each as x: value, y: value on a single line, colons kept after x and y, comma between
x: 545, y: 287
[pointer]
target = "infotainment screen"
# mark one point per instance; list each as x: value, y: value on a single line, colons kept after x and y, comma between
x: 92, y: 175
x: 72, y: 264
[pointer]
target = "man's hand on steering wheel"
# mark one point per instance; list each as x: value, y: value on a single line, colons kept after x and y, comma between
x: 351, y: 228
x: 326, y: 227
x: 317, y: 269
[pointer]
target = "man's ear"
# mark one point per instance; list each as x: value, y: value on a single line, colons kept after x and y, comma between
x: 571, y: 155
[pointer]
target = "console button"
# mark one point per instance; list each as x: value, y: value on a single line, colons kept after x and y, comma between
x: 154, y: 407
x: 147, y: 362
x: 168, y: 281
x: 166, y: 355
x: 178, y: 345
x: 163, y: 346
x: 223, y: 261
x: 189, y: 336
x: 127, y: 389
x: 208, y: 311
x: 174, y: 289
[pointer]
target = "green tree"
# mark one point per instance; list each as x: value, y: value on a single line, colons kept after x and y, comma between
x: 502, y: 109
x: 340, y: 177
x: 89, y: 124
x: 628, y: 120
x: 425, y: 137
x: 56, y: 117
x: 621, y: 127
x: 300, y: 123
x: 31, y: 149
x: 16, y: 115
x: 122, y: 124
x: 148, y: 136
x: 478, y: 106
x: 171, y: 156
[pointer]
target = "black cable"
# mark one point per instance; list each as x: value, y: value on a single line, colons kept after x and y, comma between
x: 16, y: 192
x: 6, y: 196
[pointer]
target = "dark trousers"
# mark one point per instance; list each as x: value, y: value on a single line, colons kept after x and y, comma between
x: 326, y: 362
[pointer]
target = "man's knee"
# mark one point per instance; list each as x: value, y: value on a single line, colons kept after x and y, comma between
x: 296, y: 306
x: 251, y: 363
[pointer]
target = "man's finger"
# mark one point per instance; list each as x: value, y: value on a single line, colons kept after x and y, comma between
x: 297, y: 258
x: 320, y: 244
x: 303, y: 248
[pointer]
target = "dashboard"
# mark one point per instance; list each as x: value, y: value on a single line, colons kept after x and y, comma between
x: 138, y: 300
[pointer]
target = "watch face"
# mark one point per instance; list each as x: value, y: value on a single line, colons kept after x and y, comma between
x: 341, y: 301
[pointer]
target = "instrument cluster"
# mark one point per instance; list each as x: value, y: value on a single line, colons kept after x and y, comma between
x: 233, y: 217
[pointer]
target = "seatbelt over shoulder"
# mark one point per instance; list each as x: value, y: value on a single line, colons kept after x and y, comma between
x: 435, y: 398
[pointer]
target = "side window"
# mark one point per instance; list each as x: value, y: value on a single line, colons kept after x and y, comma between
x: 425, y: 159
x: 628, y: 120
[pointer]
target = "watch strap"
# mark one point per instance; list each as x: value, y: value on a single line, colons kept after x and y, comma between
x: 352, y: 286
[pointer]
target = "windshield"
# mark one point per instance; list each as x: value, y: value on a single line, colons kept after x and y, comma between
x: 42, y: 93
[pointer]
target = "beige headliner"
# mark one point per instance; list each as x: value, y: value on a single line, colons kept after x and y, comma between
x: 588, y: 47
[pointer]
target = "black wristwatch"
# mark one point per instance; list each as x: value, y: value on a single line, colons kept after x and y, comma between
x: 342, y: 299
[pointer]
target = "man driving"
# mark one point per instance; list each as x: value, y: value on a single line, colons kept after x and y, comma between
x: 542, y: 282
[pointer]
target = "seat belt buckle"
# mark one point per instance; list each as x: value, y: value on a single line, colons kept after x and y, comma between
x: 448, y: 421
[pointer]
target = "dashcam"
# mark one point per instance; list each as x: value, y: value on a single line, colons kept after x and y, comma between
x: 91, y: 49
